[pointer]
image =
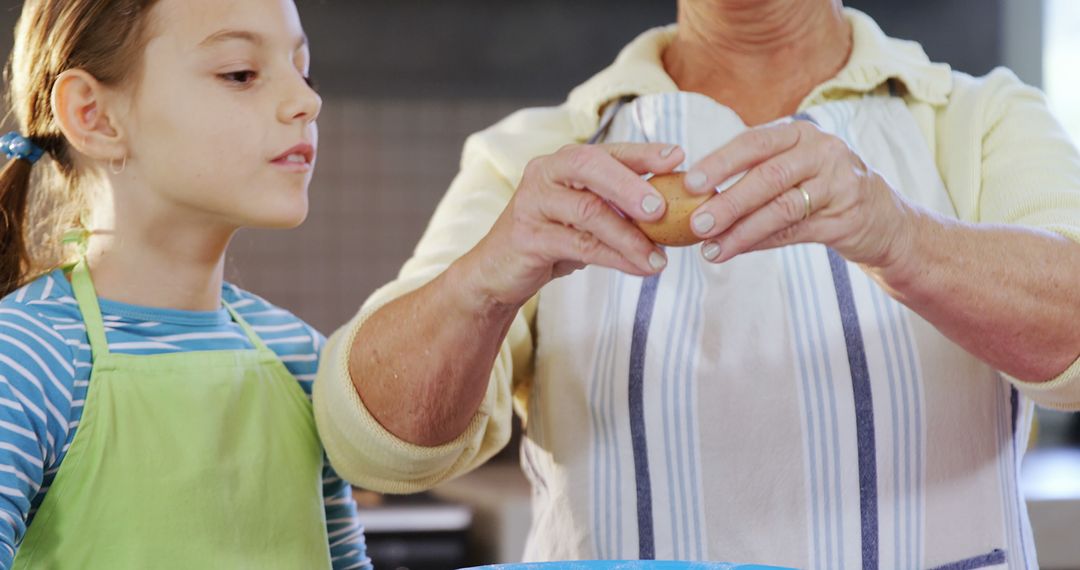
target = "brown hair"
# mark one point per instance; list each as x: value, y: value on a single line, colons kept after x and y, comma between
x: 105, y: 38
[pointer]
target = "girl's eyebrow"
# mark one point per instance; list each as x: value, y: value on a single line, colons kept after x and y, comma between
x: 222, y: 36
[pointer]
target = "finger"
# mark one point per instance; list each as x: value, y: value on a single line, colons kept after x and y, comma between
x: 587, y: 212
x: 644, y: 158
x: 578, y: 247
x: 782, y: 220
x: 742, y: 153
x: 612, y: 172
x: 801, y: 232
x: 761, y: 186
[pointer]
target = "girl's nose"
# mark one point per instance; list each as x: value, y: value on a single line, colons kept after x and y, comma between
x: 302, y: 104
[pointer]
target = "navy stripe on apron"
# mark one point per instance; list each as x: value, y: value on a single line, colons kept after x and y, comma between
x: 638, y: 343
x: 864, y: 403
x: 992, y: 558
x: 864, y: 409
x: 608, y: 118
x: 1013, y: 401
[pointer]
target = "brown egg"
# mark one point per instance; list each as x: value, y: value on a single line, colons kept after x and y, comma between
x: 674, y: 228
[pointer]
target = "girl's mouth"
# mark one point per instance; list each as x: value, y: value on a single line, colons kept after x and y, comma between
x: 299, y: 158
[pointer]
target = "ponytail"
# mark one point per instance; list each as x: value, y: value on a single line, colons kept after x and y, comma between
x: 14, y: 198
x: 14, y: 258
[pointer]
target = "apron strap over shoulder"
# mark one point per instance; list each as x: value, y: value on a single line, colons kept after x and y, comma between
x: 91, y: 310
x: 609, y: 117
x: 87, y: 297
x: 85, y: 294
x: 250, y: 332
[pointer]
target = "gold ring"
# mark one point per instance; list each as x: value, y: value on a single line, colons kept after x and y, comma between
x: 806, y: 199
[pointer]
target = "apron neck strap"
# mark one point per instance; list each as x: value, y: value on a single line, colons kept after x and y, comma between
x: 91, y: 310
x: 87, y: 297
x: 248, y: 330
x: 609, y: 117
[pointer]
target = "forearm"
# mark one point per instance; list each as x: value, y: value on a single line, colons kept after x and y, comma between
x: 1009, y: 295
x: 421, y: 364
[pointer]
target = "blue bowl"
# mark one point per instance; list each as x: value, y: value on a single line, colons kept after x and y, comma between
x: 629, y: 565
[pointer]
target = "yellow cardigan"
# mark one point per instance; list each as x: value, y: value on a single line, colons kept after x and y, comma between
x: 1002, y: 155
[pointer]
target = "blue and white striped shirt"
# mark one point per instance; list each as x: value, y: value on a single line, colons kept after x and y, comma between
x: 45, y: 371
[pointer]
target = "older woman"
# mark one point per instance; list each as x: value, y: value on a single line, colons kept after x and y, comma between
x: 842, y: 375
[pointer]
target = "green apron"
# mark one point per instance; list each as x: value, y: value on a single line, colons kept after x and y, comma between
x: 204, y: 459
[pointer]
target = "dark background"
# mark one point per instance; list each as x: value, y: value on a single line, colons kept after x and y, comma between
x: 405, y: 81
x: 539, y: 49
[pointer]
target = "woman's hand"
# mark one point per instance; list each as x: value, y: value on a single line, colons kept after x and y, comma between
x: 570, y: 211
x: 802, y: 186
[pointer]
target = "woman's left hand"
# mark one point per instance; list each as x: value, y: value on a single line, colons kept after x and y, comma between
x: 802, y: 185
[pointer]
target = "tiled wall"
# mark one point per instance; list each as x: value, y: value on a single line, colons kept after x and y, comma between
x: 382, y: 167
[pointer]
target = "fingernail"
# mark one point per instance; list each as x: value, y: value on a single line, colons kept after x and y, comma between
x: 695, y: 179
x: 667, y: 151
x: 657, y: 261
x: 651, y: 203
x: 711, y: 250
x: 704, y: 222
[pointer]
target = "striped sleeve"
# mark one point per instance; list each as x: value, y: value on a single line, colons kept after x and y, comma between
x: 36, y: 383
x: 299, y: 346
x: 348, y: 548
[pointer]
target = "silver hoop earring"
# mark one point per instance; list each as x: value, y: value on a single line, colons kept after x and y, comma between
x: 114, y: 169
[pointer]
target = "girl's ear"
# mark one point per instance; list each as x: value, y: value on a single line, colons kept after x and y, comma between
x: 80, y: 104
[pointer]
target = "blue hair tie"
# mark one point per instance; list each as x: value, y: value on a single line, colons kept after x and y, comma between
x: 15, y: 145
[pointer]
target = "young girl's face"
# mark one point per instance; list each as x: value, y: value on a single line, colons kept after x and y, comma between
x: 221, y: 127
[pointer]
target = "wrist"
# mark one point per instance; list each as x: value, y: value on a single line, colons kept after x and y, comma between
x: 906, y: 261
x: 474, y: 279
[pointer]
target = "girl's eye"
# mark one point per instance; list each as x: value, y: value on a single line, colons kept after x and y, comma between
x: 244, y: 77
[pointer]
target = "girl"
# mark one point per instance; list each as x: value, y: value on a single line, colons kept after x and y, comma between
x: 150, y: 414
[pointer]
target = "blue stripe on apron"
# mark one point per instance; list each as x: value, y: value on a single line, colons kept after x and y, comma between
x: 668, y: 391
x: 864, y: 404
x: 602, y: 397
x: 602, y: 444
x: 635, y: 397
x: 639, y: 340
x: 811, y: 427
x: 1014, y: 403
x: 992, y: 558
x: 864, y: 410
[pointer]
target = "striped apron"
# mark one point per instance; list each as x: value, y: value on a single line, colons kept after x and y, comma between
x: 779, y: 408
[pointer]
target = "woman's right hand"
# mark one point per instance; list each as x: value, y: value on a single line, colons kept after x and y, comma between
x: 571, y: 211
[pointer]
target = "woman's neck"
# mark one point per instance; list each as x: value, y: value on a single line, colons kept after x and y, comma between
x: 759, y: 57
x: 154, y: 256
